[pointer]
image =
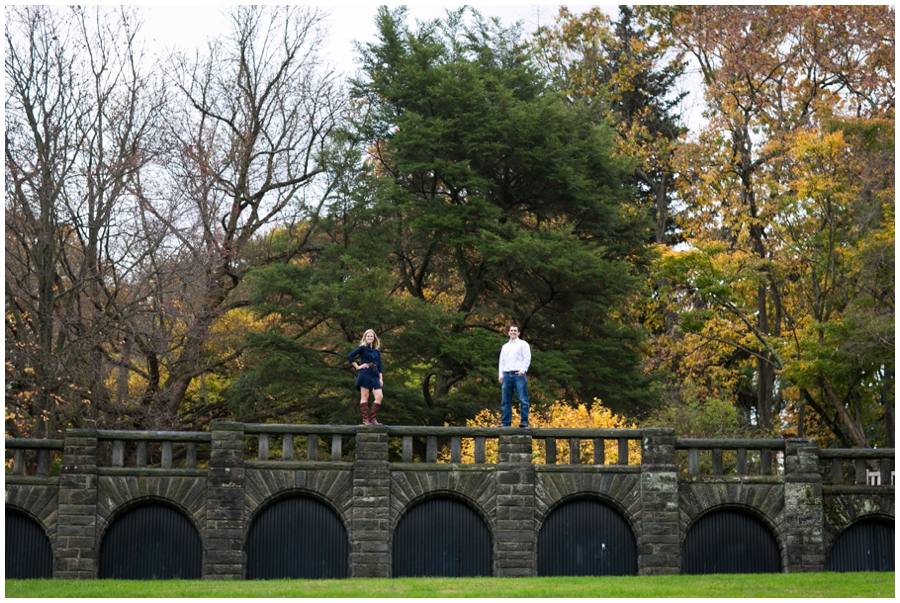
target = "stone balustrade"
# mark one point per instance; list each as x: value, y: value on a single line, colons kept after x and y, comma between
x: 740, y: 455
x: 224, y: 479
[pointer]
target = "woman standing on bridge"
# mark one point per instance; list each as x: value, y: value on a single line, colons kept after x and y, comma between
x: 369, y: 377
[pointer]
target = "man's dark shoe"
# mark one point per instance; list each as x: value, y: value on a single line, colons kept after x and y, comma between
x: 524, y: 425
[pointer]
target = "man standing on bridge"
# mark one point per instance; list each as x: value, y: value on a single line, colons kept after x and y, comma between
x: 515, y: 357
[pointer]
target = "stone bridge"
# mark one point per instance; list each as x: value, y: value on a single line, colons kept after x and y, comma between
x: 383, y: 501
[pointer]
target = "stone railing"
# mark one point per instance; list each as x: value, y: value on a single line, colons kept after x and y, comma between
x: 117, y: 445
x: 741, y: 457
x: 833, y: 464
x: 268, y: 436
x: 478, y: 439
x: 576, y: 440
x: 479, y: 445
x: 37, y: 455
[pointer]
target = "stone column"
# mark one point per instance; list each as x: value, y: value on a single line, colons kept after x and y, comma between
x: 224, y: 556
x: 516, y: 537
x: 659, y: 546
x: 370, y: 524
x: 76, y: 532
x: 804, y: 518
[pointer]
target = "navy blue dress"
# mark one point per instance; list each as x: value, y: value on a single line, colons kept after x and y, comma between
x: 368, y: 377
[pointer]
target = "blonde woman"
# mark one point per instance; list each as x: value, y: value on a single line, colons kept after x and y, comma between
x: 368, y: 377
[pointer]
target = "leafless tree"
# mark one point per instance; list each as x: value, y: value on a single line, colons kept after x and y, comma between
x: 253, y: 114
x: 80, y: 124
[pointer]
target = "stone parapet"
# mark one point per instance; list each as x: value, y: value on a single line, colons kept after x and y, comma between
x: 512, y: 495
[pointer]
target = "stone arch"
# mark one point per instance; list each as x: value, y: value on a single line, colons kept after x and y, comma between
x: 296, y: 535
x: 442, y: 533
x: 150, y: 538
x: 107, y: 514
x: 630, y: 510
x: 762, y: 548
x: 622, y: 491
x: 119, y: 493
x: 866, y: 544
x: 842, y: 510
x: 763, y: 500
x: 587, y: 534
x: 265, y: 486
x: 252, y: 513
x: 476, y: 489
x: 274, y: 550
x: 40, y: 503
x: 29, y: 551
x: 485, y: 516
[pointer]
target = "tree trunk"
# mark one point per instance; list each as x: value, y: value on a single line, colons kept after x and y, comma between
x: 855, y: 428
x: 887, y: 402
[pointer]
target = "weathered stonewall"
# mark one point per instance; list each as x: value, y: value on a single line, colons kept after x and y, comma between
x: 803, y: 525
x: 515, y: 536
x: 224, y: 557
x: 76, y: 553
x: 370, y: 538
x: 659, y: 546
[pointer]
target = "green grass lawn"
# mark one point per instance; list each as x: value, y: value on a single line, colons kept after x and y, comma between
x: 871, y: 585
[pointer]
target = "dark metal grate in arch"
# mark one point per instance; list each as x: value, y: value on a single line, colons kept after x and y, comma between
x: 442, y: 537
x: 730, y: 542
x: 586, y: 537
x: 28, y: 552
x: 297, y: 537
x: 151, y: 542
x: 866, y: 546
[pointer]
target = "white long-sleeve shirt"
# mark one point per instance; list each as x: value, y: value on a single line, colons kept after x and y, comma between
x: 515, y: 355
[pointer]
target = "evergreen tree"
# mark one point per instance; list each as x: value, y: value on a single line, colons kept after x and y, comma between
x: 493, y: 202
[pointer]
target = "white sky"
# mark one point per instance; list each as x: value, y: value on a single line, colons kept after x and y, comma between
x: 188, y: 27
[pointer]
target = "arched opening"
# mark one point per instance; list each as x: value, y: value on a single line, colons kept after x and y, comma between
x: 151, y: 542
x: 297, y: 537
x: 866, y: 546
x: 585, y: 537
x: 730, y: 542
x: 442, y: 537
x: 28, y: 551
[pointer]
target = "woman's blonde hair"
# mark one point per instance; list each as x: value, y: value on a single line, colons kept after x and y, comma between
x: 376, y: 342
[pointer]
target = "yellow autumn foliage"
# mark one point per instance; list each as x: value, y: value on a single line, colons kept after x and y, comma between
x: 559, y: 414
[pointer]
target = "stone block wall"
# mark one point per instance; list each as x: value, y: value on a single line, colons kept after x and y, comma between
x: 370, y: 555
x: 371, y: 495
x: 803, y: 525
x: 224, y: 557
x: 659, y: 540
x: 515, y: 539
x: 76, y: 554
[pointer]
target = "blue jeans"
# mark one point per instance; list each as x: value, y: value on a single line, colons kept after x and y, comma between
x: 520, y: 384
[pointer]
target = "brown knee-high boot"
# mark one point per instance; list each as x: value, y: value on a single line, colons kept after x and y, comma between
x: 364, y: 409
x: 374, y: 420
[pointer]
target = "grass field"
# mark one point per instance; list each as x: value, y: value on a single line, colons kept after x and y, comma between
x: 869, y: 585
